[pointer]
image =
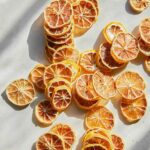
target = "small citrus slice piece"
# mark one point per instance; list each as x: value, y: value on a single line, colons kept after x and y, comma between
x: 99, y: 117
x: 147, y: 64
x: 134, y: 110
x: 112, y: 29
x: 66, y: 133
x: 49, y: 141
x: 139, y: 5
x: 58, y: 13
x: 49, y: 53
x: 61, y: 97
x: 36, y: 76
x: 84, y: 87
x: 45, y: 113
x: 130, y: 85
x: 124, y: 48
x: 144, y: 29
x: 106, y: 58
x: 88, y: 61
x: 85, y: 15
x: 118, y: 142
x: 20, y: 92
x: 57, y: 70
x: 104, y: 85
x: 96, y: 4
x: 94, y: 147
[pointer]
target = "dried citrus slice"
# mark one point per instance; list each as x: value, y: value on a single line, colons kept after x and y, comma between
x: 112, y: 29
x: 36, y: 76
x: 94, y: 147
x: 53, y: 84
x: 134, y: 110
x: 104, y: 85
x: 45, y: 113
x: 57, y: 70
x: 124, y: 48
x: 49, y: 141
x: 66, y: 133
x: 106, y: 58
x: 99, y: 117
x: 73, y: 2
x: 144, y: 29
x: 88, y: 61
x: 96, y: 3
x: 139, y: 5
x: 61, y: 97
x: 130, y: 85
x: 85, y: 15
x: 58, y: 13
x: 20, y: 92
x: 147, y: 64
x: 118, y: 142
x: 49, y: 53
x: 84, y: 87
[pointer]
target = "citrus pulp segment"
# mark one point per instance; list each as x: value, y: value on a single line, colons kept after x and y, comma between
x: 94, y: 147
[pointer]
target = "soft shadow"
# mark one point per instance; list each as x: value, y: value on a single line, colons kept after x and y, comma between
x: 36, y: 41
x: 33, y: 146
x: 138, y: 60
x: 135, y: 32
x: 79, y: 145
x: 4, y: 96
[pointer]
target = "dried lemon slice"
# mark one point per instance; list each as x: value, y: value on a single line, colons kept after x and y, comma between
x: 147, y: 64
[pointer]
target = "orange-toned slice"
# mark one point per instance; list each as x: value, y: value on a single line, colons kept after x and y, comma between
x: 147, y: 64
x: 130, y: 85
x: 106, y: 58
x: 49, y: 141
x: 118, y: 142
x: 45, y: 113
x: 36, y: 76
x: 85, y: 15
x: 124, y: 48
x: 61, y: 97
x: 20, y: 92
x: 88, y: 61
x: 99, y: 117
x: 53, y: 84
x: 139, y: 5
x: 84, y: 87
x: 104, y: 85
x: 144, y: 47
x: 96, y: 4
x: 58, y: 13
x: 49, y: 53
x: 66, y: 133
x: 134, y: 110
x: 94, y: 147
x: 57, y: 70
x: 144, y: 29
x: 112, y: 29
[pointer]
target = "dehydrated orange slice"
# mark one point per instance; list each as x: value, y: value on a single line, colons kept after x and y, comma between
x: 57, y: 70
x: 139, y: 5
x: 45, y: 113
x: 130, y: 85
x: 84, y: 87
x: 96, y: 3
x: 112, y: 29
x: 49, y: 141
x: 106, y: 58
x: 94, y: 147
x: 53, y: 84
x: 36, y: 76
x: 58, y: 13
x: 66, y: 133
x: 118, y: 142
x: 85, y: 15
x: 99, y: 117
x: 88, y: 61
x: 124, y: 48
x: 104, y: 85
x: 147, y: 64
x: 134, y: 110
x: 61, y: 97
x: 20, y: 92
x: 144, y: 29
x: 49, y: 53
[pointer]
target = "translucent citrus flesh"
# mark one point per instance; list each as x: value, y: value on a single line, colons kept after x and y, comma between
x: 124, y: 48
x: 49, y: 141
x: 20, y: 92
x: 45, y: 113
x: 66, y: 133
x: 104, y: 85
x: 99, y: 117
x: 130, y: 85
x: 147, y: 64
x: 134, y: 110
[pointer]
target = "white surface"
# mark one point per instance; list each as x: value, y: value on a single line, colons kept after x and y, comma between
x: 21, y: 47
